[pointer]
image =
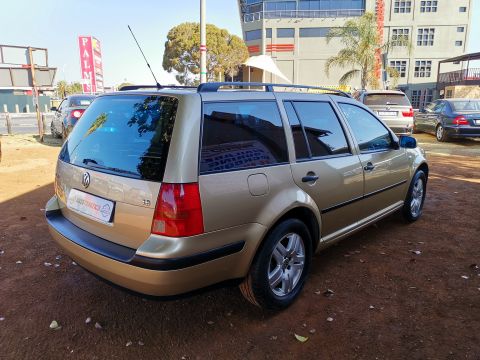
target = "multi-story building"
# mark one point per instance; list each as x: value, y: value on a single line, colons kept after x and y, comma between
x: 293, y: 33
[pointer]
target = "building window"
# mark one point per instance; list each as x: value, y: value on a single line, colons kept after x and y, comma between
x: 331, y: 5
x: 400, y: 37
x: 462, y: 9
x: 268, y: 32
x: 400, y: 66
x: 402, y: 6
x: 459, y: 43
x: 428, y: 6
x: 285, y: 33
x: 420, y: 98
x: 314, y: 32
x: 425, y: 37
x: 423, y: 68
x: 461, y: 29
x: 253, y: 35
x: 280, y: 5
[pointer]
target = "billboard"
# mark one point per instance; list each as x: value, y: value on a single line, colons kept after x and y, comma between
x: 91, y: 64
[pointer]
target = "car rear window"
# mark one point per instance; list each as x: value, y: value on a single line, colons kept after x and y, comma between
x: 386, y: 99
x: 81, y: 101
x: 241, y: 135
x: 466, y: 105
x: 126, y: 135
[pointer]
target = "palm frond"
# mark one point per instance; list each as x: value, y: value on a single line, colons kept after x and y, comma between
x: 349, y: 75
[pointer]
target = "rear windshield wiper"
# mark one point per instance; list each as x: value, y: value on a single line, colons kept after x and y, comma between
x: 94, y: 165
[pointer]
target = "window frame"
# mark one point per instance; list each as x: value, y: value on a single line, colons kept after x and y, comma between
x: 203, y: 103
x: 340, y: 121
x: 360, y: 151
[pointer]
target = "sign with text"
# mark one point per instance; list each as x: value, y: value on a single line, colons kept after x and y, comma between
x: 91, y: 64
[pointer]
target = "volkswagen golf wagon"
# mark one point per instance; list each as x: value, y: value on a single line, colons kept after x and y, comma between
x: 167, y: 190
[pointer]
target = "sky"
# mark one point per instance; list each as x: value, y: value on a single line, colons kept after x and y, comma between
x: 56, y: 24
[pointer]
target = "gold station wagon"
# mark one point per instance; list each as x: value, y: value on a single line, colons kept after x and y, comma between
x: 167, y: 190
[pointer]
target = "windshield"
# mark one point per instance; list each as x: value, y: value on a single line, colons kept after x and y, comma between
x: 386, y: 99
x: 81, y: 101
x: 127, y: 135
x: 466, y: 105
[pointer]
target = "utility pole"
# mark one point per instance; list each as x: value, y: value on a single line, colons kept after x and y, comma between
x: 35, y: 94
x: 203, y: 41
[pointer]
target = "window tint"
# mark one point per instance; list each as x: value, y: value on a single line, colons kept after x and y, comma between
x: 386, y: 99
x: 126, y: 135
x: 324, y: 133
x: 371, y: 135
x: 242, y: 135
x: 81, y: 101
x: 301, y: 147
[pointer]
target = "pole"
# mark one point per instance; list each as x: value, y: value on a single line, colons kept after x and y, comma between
x: 203, y: 42
x: 35, y: 94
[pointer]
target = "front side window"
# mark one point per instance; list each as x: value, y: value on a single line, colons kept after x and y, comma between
x: 241, y: 135
x: 370, y: 133
x: 324, y: 134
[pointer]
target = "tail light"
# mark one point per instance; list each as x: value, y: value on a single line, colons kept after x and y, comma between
x: 408, y: 113
x: 76, y: 114
x: 178, y: 211
x: 460, y: 120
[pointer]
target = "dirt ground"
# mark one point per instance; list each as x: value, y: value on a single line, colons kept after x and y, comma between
x: 387, y: 302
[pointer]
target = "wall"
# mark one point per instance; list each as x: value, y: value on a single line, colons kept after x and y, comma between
x: 22, y: 100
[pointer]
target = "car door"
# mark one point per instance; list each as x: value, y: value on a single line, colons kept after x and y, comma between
x: 325, y: 166
x: 435, y: 116
x: 57, y: 119
x: 385, y: 165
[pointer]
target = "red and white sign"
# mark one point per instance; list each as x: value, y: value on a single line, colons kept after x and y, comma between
x: 91, y: 64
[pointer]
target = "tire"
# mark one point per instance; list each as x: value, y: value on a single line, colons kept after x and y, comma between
x: 440, y: 133
x: 413, y: 206
x: 279, y: 257
x: 414, y: 129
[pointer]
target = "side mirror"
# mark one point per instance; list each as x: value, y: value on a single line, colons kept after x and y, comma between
x: 53, y: 108
x: 408, y: 142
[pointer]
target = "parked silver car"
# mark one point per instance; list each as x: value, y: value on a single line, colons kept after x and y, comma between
x: 68, y: 113
x: 393, y: 107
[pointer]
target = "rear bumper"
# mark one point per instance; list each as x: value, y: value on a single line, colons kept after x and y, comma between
x: 152, y: 276
x: 463, y: 131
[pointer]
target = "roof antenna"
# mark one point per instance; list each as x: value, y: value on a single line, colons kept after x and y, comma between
x: 134, y: 38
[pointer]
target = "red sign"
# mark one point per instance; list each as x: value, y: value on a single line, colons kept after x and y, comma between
x: 91, y: 64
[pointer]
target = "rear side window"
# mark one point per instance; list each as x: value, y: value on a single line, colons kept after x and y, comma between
x: 126, y: 135
x: 371, y: 135
x: 386, y: 99
x: 241, y: 135
x: 81, y: 101
x: 325, y: 136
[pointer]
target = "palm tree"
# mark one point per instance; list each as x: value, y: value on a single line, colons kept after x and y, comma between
x: 361, y: 44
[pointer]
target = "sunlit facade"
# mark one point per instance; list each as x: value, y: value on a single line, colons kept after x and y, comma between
x: 294, y: 32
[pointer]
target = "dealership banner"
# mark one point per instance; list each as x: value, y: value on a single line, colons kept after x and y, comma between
x: 91, y: 64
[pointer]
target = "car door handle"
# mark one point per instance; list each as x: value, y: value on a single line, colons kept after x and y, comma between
x: 309, y: 178
x: 369, y: 167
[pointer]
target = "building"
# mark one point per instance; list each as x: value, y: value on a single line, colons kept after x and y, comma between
x: 293, y: 32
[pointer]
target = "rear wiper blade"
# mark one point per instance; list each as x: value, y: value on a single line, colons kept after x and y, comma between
x: 108, y: 168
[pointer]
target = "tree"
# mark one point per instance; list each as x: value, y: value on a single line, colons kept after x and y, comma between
x: 226, y: 52
x: 123, y: 84
x: 64, y: 89
x: 75, y: 88
x: 61, y: 89
x: 361, y: 44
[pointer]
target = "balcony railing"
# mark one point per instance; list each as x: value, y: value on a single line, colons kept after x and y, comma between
x: 459, y: 77
x: 306, y: 14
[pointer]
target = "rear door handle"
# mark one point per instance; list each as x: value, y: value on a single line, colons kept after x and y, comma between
x: 369, y: 167
x: 309, y: 178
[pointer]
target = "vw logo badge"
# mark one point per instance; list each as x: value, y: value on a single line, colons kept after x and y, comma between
x: 86, y: 180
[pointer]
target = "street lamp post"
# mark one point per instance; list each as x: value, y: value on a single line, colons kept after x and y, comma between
x: 203, y: 42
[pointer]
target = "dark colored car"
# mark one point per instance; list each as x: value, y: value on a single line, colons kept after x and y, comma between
x: 450, y: 118
x: 68, y: 113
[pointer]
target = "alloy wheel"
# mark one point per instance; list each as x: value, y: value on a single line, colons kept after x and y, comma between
x: 417, y: 198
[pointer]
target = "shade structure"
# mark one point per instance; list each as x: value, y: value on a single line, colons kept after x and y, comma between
x: 265, y: 63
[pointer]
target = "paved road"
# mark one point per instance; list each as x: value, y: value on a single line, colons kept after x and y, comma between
x: 24, y: 123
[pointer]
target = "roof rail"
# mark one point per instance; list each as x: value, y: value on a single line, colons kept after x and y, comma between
x: 136, y: 87
x: 269, y: 87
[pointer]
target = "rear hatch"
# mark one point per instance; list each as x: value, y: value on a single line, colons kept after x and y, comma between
x: 394, y: 109
x: 110, y: 168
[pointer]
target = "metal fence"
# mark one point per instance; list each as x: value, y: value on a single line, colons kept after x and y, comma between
x: 23, y: 123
